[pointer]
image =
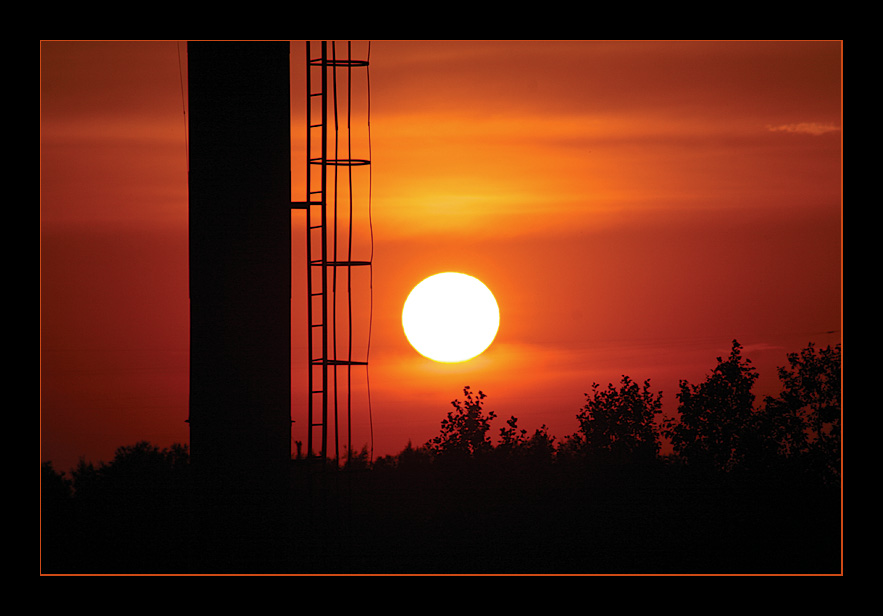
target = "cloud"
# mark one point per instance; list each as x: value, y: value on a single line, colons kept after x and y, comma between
x: 807, y: 128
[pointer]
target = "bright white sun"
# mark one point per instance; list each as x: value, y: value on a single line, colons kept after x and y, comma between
x: 450, y: 317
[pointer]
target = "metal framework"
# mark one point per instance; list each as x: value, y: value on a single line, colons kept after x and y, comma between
x: 323, y: 261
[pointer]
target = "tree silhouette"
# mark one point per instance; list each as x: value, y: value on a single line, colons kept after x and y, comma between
x: 85, y: 480
x: 129, y: 514
x: 464, y: 432
x: 538, y: 448
x: 141, y: 480
x: 618, y: 424
x: 717, y: 425
x: 409, y: 459
x: 803, y: 422
x: 358, y: 461
x: 54, y: 486
x: 511, y: 438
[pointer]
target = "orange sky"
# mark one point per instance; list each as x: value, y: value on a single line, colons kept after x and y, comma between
x: 634, y: 206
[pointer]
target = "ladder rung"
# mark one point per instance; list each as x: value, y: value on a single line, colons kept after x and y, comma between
x: 341, y: 162
x: 319, y: 262
x: 348, y: 162
x: 352, y: 63
x: 338, y: 362
x: 329, y: 62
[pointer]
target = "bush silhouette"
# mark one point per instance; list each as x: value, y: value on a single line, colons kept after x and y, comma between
x: 803, y: 421
x: 516, y: 445
x: 464, y: 432
x: 717, y: 419
x: 617, y: 425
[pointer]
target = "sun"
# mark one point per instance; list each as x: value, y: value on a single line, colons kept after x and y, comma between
x: 451, y: 317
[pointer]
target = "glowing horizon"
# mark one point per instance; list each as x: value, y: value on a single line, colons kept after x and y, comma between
x: 634, y: 206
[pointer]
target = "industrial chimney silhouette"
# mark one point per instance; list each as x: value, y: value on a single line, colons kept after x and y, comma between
x: 240, y: 259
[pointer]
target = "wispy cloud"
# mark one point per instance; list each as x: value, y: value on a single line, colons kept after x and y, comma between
x: 806, y: 128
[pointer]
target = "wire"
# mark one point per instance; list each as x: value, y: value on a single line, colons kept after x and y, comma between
x: 183, y: 106
x: 334, y: 277
x: 349, y: 256
x: 370, y: 258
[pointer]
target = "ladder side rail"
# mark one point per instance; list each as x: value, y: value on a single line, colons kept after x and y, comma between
x: 333, y: 355
x: 349, y: 271
x: 308, y: 207
x: 324, y: 234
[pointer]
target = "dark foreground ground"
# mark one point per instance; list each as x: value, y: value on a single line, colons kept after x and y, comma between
x: 466, y: 520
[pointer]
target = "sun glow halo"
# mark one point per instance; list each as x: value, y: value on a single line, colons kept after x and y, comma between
x: 450, y: 317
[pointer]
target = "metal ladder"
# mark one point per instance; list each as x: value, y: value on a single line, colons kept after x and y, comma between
x: 322, y: 336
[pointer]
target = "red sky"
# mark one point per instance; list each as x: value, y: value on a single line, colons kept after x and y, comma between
x: 634, y: 206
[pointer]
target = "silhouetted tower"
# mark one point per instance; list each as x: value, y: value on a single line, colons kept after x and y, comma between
x: 240, y: 258
x: 330, y: 213
x: 240, y: 255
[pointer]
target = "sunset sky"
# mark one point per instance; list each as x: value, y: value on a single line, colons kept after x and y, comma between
x: 633, y: 206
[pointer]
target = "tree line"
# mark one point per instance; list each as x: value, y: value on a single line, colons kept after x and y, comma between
x: 719, y: 425
x: 749, y: 484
